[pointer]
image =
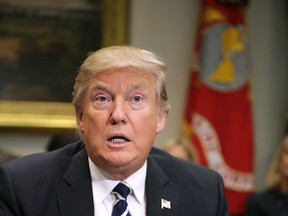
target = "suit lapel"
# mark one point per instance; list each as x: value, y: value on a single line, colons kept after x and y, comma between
x: 75, y: 192
x: 161, y: 194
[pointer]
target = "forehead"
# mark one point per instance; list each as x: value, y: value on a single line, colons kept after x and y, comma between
x: 126, y: 77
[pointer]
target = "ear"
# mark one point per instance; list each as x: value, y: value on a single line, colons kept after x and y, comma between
x: 79, y: 119
x: 161, y: 120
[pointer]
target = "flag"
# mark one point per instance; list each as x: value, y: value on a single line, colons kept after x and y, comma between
x: 218, y: 115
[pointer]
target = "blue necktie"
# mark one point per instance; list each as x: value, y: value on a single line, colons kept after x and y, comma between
x: 121, y: 191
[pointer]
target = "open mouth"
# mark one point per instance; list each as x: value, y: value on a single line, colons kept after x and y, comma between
x: 118, y: 139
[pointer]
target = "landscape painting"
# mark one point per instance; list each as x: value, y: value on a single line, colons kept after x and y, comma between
x: 42, y: 44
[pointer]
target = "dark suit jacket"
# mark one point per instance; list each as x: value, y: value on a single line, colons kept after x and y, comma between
x: 58, y: 183
x: 268, y: 203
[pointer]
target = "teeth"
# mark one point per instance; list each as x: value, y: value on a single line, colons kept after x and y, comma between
x: 118, y: 140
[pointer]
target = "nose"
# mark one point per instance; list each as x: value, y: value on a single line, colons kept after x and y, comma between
x: 118, y: 113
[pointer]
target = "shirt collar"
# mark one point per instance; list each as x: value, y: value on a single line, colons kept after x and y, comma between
x: 103, y: 185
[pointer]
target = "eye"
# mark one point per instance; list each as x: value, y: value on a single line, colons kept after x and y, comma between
x: 137, y: 99
x: 102, y: 99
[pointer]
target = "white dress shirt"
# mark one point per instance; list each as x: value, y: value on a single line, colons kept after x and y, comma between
x: 103, y: 184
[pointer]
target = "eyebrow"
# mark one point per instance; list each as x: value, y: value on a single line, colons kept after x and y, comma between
x: 100, y: 85
x: 104, y: 86
x: 137, y: 85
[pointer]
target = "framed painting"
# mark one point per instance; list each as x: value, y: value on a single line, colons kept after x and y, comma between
x: 42, y: 43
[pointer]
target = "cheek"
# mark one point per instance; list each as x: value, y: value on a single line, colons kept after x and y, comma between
x: 143, y: 127
x: 88, y: 121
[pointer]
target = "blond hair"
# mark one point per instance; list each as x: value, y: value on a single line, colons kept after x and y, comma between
x: 186, y: 144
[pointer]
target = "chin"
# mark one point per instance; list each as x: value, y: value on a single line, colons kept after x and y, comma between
x: 120, y: 159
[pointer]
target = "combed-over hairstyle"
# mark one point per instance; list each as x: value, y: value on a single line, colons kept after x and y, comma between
x: 120, y: 57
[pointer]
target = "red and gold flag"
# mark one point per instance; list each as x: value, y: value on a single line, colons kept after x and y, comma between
x: 218, y: 116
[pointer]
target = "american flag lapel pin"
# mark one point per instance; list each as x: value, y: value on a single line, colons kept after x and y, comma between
x: 165, y: 204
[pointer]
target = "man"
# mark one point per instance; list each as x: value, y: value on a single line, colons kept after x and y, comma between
x: 121, y: 104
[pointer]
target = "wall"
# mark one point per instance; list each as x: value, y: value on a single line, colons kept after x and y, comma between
x: 268, y: 25
x: 168, y: 28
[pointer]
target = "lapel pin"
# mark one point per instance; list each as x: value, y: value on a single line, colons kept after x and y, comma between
x: 165, y: 204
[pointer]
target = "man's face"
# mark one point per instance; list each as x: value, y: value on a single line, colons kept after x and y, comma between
x: 120, y: 119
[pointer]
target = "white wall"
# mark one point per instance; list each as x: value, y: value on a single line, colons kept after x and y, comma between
x: 168, y: 28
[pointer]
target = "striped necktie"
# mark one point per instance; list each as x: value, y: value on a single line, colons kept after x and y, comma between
x: 121, y: 191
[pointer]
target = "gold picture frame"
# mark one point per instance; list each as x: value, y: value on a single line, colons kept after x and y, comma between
x: 60, y: 115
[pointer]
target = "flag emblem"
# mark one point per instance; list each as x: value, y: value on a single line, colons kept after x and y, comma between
x: 165, y: 204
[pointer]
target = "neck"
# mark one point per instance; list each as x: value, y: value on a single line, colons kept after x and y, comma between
x: 118, y: 172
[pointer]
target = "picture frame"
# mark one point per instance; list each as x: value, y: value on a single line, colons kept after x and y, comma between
x: 59, y: 113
